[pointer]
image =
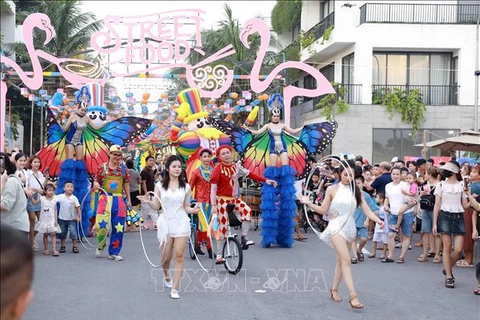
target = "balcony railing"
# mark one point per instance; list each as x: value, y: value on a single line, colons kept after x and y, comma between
x: 419, y: 13
x: 435, y: 95
x: 319, y: 29
x: 353, y: 94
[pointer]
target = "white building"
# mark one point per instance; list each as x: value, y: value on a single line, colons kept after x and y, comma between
x: 376, y: 45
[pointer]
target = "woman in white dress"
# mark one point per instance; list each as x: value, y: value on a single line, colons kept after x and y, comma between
x: 173, y: 222
x: 340, y: 203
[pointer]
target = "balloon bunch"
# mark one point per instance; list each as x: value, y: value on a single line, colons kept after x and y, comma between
x: 230, y: 106
x: 130, y: 103
x: 144, y: 104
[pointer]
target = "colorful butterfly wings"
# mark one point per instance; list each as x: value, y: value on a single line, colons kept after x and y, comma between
x: 96, y: 143
x: 254, y: 150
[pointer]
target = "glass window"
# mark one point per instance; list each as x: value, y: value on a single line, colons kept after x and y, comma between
x: 419, y: 69
x: 347, y: 69
x: 329, y: 72
x: 379, y: 69
x: 389, y: 143
x: 397, y: 69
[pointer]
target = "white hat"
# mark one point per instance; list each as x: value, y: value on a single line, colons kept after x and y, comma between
x: 450, y: 166
x: 394, y: 159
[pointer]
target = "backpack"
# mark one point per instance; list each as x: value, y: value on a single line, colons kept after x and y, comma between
x: 427, y: 202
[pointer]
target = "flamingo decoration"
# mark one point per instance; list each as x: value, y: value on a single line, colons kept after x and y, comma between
x: 36, y: 20
x: 254, y: 25
x: 42, y: 22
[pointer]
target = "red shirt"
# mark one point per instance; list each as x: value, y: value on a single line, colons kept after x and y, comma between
x: 201, y: 186
x: 226, y: 179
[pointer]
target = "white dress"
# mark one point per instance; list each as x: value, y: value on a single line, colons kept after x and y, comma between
x: 173, y: 221
x: 46, y: 223
x: 341, y: 216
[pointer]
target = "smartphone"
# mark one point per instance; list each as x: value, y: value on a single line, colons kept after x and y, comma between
x: 465, y: 183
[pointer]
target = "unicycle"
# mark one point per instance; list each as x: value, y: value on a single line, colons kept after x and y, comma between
x: 232, y: 250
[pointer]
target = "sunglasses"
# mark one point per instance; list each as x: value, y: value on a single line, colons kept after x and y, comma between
x: 118, y: 155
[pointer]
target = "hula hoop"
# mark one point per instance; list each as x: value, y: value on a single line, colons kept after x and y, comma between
x: 192, y: 245
x: 352, y: 189
x: 80, y: 226
x: 141, y: 235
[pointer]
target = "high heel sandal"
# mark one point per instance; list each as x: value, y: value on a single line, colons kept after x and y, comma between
x: 357, y: 305
x: 334, y: 295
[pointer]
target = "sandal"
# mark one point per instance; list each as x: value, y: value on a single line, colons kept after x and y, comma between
x: 219, y: 260
x: 357, y: 305
x: 400, y: 260
x: 381, y: 257
x: 62, y: 250
x: 445, y: 274
x: 422, y: 258
x: 361, y: 257
x: 477, y: 291
x: 449, y: 283
x: 46, y: 252
x: 334, y: 295
x: 75, y: 250
x: 353, y: 261
x: 436, y: 260
x: 300, y: 238
x: 464, y: 264
x: 387, y: 260
x: 55, y: 253
x: 371, y: 256
x: 431, y: 254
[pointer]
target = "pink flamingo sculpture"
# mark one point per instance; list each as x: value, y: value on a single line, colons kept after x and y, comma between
x: 36, y: 20
x: 254, y: 25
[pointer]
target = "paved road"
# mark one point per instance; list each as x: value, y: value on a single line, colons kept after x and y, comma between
x: 294, y: 281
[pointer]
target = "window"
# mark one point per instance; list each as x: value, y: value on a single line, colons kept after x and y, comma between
x: 329, y: 72
x: 295, y: 31
x: 326, y: 7
x: 347, y: 69
x: 430, y: 73
x: 309, y: 82
x: 389, y: 143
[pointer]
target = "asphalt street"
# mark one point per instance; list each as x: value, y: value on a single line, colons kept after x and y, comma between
x: 275, y: 283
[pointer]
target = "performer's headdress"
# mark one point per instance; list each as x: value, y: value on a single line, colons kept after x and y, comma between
x: 275, y: 104
x: 91, y: 97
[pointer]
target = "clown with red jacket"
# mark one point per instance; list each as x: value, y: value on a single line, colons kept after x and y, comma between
x: 224, y: 191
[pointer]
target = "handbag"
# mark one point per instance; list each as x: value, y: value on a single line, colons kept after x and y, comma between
x: 427, y: 202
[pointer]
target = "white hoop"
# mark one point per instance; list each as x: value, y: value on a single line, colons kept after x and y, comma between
x: 80, y: 226
x: 192, y: 245
x: 352, y: 189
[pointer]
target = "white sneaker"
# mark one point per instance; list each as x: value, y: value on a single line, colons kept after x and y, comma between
x: 115, y: 257
x: 174, y: 294
x: 169, y: 283
x: 98, y: 251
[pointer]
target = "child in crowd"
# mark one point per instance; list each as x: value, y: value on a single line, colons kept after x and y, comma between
x: 361, y: 222
x: 380, y: 235
x: 48, y: 222
x: 16, y: 269
x: 409, y: 195
x: 404, y: 174
x: 68, y: 216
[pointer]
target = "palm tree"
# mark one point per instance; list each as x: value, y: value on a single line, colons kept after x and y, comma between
x: 72, y: 27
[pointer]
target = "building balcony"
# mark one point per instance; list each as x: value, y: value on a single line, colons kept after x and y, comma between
x: 410, y: 13
x: 434, y: 95
x: 319, y: 29
x: 353, y: 94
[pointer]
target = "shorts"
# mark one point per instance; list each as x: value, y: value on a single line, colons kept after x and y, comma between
x: 68, y: 225
x: 380, y: 237
x: 134, y: 199
x: 406, y: 223
x: 34, y: 207
x: 427, y: 221
x: 450, y: 223
x: 362, y: 232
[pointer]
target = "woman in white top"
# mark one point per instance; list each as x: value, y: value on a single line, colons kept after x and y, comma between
x: 450, y: 203
x: 173, y: 223
x: 36, y: 182
x: 340, y: 203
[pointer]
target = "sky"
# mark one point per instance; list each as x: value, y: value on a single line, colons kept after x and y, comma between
x: 242, y: 10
